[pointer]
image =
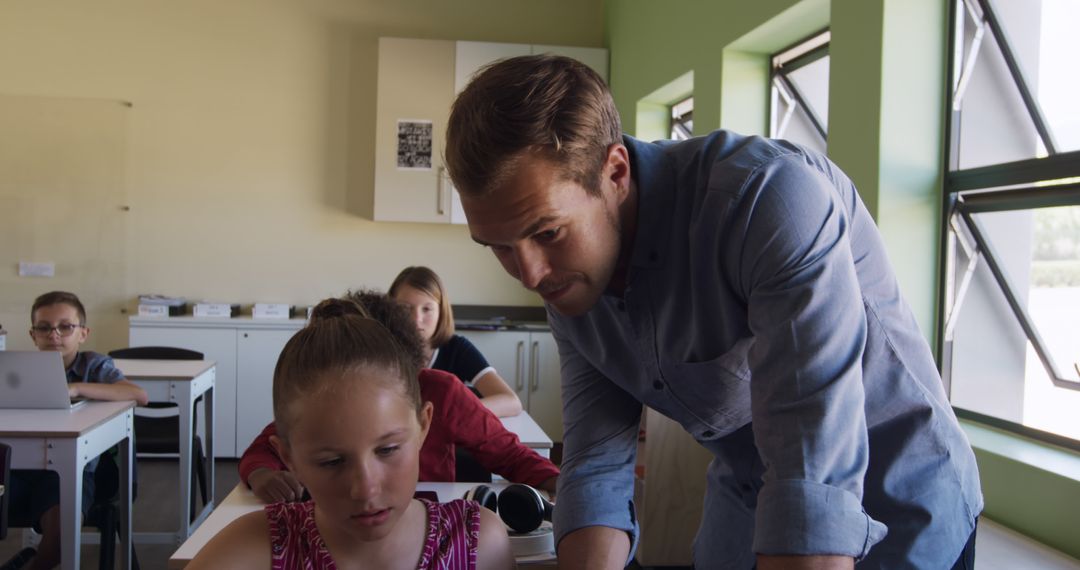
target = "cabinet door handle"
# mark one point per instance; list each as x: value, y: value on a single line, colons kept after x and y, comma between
x: 439, y: 191
x: 534, y: 358
x: 519, y: 368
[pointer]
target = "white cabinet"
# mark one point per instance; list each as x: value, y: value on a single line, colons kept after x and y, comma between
x: 257, y: 352
x: 415, y: 88
x: 245, y: 350
x: 529, y: 362
x: 417, y: 83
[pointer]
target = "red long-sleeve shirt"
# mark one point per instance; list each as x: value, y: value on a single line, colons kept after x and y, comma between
x: 459, y: 418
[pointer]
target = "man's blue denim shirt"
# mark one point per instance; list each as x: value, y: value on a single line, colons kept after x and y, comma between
x: 762, y: 314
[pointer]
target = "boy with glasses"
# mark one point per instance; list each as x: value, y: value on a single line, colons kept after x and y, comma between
x: 58, y: 322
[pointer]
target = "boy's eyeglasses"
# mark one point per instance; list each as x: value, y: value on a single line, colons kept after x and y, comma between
x: 66, y: 329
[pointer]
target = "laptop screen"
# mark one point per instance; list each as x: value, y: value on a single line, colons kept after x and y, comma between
x: 33, y: 380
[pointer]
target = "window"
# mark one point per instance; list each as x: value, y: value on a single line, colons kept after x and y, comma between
x: 682, y: 119
x: 799, y: 105
x: 1011, y: 298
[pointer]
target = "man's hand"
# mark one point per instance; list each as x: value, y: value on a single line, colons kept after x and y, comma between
x: 275, y: 486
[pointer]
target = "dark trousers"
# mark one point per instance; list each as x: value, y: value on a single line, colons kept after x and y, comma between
x: 967, y: 556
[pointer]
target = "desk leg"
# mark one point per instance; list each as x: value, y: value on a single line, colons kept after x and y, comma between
x: 208, y: 445
x: 186, y: 408
x: 64, y: 459
x: 127, y: 461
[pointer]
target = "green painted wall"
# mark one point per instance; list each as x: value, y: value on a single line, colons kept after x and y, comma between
x: 886, y: 75
x: 1031, y: 486
x: 886, y: 127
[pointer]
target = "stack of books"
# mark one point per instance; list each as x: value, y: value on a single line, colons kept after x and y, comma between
x: 161, y: 306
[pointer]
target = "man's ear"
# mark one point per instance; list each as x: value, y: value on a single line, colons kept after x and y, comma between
x: 282, y: 448
x: 615, y: 174
x: 84, y: 333
x: 425, y: 415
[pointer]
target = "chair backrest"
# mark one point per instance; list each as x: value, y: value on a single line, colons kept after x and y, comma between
x: 5, y: 477
x: 156, y: 353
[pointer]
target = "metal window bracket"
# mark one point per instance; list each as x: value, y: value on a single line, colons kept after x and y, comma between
x: 804, y: 105
x: 1024, y: 320
x: 789, y: 107
x: 972, y: 55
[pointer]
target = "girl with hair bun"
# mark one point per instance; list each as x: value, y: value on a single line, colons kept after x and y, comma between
x: 350, y: 426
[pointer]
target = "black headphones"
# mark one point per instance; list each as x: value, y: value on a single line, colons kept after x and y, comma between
x: 521, y: 507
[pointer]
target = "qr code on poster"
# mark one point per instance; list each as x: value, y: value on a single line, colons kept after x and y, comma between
x: 414, y: 144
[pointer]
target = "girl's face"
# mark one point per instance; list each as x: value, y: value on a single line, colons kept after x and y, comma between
x: 425, y: 309
x: 358, y: 452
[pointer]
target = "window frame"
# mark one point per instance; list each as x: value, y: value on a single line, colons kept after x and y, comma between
x: 1028, y: 184
x: 682, y: 124
x: 782, y: 64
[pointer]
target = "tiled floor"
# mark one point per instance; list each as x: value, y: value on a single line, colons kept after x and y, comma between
x: 155, y: 511
x: 999, y: 548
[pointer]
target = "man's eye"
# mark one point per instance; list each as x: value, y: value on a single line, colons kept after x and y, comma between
x: 328, y: 463
x: 547, y: 235
x: 499, y: 248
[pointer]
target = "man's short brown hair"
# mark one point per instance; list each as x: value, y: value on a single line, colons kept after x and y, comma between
x: 553, y: 106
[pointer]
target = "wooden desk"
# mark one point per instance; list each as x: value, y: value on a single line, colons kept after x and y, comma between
x: 242, y: 501
x: 65, y: 441
x: 529, y: 432
x: 180, y: 382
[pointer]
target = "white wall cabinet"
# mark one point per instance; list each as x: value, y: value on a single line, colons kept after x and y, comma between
x: 529, y: 362
x: 245, y: 350
x: 417, y: 82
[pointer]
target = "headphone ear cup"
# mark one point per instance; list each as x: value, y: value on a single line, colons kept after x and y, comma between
x: 523, y: 508
x: 484, y: 495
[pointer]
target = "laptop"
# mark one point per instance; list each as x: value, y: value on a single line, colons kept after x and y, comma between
x: 34, y: 380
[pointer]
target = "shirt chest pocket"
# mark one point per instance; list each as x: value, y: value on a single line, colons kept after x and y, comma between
x: 712, y: 397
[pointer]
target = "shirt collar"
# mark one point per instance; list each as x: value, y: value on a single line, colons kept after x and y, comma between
x: 77, y: 370
x: 652, y: 172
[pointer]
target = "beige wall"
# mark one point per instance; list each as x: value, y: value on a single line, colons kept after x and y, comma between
x: 250, y: 141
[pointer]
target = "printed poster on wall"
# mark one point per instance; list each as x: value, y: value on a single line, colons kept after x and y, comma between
x: 413, y: 144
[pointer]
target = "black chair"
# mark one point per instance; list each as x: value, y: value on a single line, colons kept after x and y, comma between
x: 156, y: 433
x: 104, y: 511
x: 5, y: 475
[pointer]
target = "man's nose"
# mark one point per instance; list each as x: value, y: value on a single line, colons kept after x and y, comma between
x: 532, y: 266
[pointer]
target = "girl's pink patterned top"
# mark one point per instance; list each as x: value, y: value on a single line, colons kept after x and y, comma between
x: 453, y: 530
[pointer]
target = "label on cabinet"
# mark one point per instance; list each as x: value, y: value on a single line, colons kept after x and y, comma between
x: 271, y: 311
x: 214, y: 310
x: 153, y: 310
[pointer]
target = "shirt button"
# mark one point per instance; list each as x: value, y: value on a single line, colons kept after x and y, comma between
x: 707, y: 433
x: 621, y: 305
x: 653, y: 256
x: 658, y: 385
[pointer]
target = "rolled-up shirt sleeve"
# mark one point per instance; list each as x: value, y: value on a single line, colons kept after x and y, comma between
x: 600, y: 436
x: 794, y: 266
